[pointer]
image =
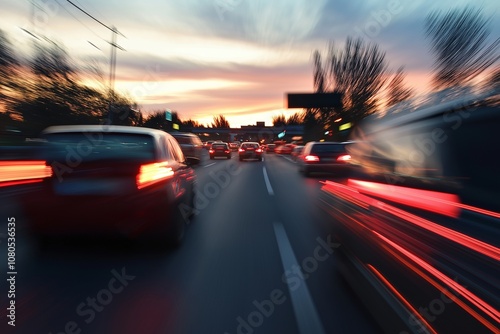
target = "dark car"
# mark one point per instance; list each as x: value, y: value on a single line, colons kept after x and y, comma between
x: 115, y: 181
x: 419, y: 220
x: 190, y: 143
x: 250, y: 150
x: 324, y: 157
x: 219, y: 150
x: 234, y: 146
x: 270, y: 148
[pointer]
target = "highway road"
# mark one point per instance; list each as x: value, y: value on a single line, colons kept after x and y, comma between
x: 258, y: 257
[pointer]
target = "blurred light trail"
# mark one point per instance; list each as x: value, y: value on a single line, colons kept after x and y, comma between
x: 460, y: 238
x: 475, y: 300
x: 401, y: 298
x: 19, y: 172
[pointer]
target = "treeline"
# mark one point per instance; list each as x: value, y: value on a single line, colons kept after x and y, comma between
x: 46, y: 89
x: 465, y: 59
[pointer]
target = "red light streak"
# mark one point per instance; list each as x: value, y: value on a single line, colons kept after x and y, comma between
x: 401, y: 297
x: 462, y: 239
x: 434, y: 201
x: 152, y: 173
x: 475, y: 300
x: 23, y: 170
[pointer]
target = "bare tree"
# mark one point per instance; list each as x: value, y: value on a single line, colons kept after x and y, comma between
x: 8, y: 65
x: 295, y: 119
x: 319, y: 73
x: 459, y: 40
x: 220, y: 122
x: 396, y: 90
x: 156, y: 120
x: 359, y: 73
x: 52, y: 62
x: 279, y: 120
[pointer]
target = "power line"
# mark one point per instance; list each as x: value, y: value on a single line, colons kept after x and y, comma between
x: 113, y: 29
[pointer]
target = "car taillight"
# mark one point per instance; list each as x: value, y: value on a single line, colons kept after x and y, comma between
x: 17, y: 172
x: 227, y: 151
x: 344, y: 157
x: 211, y: 151
x: 311, y: 158
x: 152, y: 173
x: 241, y: 150
x: 258, y: 150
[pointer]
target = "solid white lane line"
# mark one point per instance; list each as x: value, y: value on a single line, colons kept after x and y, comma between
x: 213, y: 163
x: 308, y: 320
x: 268, y: 184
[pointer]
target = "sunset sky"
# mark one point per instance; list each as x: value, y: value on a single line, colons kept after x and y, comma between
x: 232, y: 57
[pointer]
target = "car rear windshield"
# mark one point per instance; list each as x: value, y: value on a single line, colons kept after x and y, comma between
x: 183, y: 140
x: 250, y: 145
x: 328, y: 148
x: 80, y: 147
x: 219, y: 146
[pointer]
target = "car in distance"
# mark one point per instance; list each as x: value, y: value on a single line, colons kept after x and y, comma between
x: 250, y: 150
x: 297, y: 150
x: 323, y: 157
x: 118, y: 181
x: 234, y: 146
x: 270, y: 148
x: 219, y: 149
x: 208, y: 144
x: 190, y: 143
x: 284, y: 149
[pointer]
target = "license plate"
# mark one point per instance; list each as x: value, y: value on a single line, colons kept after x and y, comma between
x: 89, y: 187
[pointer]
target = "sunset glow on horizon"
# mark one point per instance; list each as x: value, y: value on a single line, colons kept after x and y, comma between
x: 232, y: 58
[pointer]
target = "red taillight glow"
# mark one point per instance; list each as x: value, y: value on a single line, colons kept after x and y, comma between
x: 258, y: 150
x: 344, y: 157
x: 241, y: 150
x: 227, y: 151
x: 211, y: 151
x: 398, y: 294
x: 311, y: 158
x: 23, y: 170
x: 152, y: 173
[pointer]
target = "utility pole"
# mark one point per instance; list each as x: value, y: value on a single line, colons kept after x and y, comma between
x: 112, y: 70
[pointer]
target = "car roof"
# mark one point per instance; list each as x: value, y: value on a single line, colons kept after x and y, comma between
x: 328, y: 142
x: 103, y: 128
x: 183, y: 134
x: 250, y: 142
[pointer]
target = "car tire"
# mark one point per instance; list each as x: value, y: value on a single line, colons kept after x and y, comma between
x: 260, y: 159
x: 211, y: 158
x: 177, y: 231
x: 241, y: 159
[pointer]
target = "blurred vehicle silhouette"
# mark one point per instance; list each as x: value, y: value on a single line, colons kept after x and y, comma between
x: 297, y: 150
x: 120, y: 181
x: 234, y: 146
x: 208, y: 144
x: 270, y: 148
x: 190, y: 143
x: 323, y: 157
x: 250, y: 150
x: 419, y: 220
x: 220, y: 150
x: 284, y: 149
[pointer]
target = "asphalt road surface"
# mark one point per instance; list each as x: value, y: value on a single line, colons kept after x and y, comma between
x: 258, y: 257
